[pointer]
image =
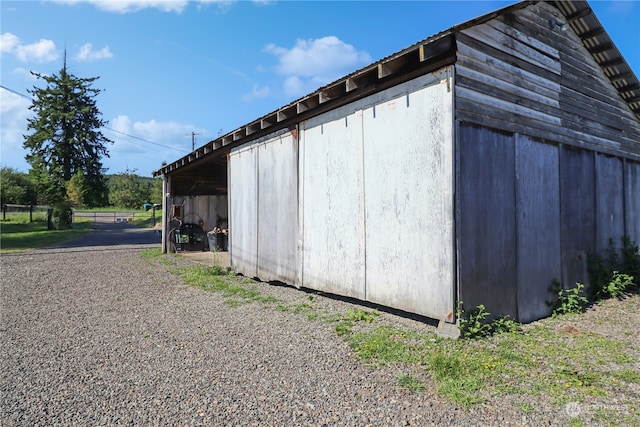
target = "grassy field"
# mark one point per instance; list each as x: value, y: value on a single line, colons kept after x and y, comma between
x: 17, y: 233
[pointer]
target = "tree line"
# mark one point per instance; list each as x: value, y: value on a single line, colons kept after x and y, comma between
x: 123, y: 190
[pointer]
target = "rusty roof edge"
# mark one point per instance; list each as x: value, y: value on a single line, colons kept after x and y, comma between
x: 282, y: 116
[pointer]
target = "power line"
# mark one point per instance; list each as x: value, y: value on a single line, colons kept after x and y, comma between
x: 144, y: 140
x: 17, y: 93
x: 105, y: 127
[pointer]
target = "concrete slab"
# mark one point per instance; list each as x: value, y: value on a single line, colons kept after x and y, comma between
x: 448, y: 330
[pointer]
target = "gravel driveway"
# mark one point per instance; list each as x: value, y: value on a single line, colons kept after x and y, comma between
x: 93, y: 334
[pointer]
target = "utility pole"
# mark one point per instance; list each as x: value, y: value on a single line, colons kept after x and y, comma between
x: 193, y: 140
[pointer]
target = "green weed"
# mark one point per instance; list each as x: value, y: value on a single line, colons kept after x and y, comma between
x: 571, y: 301
x: 357, y: 315
x: 411, y: 383
x: 474, y: 324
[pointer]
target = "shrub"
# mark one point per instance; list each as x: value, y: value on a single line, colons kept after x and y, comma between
x: 62, y: 215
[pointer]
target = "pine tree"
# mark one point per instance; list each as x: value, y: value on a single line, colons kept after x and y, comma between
x: 66, y: 137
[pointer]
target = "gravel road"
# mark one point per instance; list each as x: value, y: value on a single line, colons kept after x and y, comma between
x: 94, y: 334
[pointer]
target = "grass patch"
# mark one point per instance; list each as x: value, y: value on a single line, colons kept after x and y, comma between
x: 411, y: 383
x: 560, y: 365
x: 219, y: 279
x: 24, y: 235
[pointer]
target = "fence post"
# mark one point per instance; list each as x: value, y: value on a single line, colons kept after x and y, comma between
x: 30, y: 213
x: 4, y: 212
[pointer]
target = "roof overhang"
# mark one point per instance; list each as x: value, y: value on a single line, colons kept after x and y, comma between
x: 421, y: 58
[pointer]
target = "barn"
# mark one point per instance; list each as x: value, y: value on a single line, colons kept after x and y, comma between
x: 481, y: 164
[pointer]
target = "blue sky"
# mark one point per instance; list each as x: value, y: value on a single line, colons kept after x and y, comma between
x: 170, y: 68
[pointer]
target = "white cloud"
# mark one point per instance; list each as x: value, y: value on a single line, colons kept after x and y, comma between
x: 161, y: 132
x: 164, y: 141
x: 43, y: 50
x: 132, y: 6
x: 315, y: 62
x: 257, y: 92
x: 14, y: 111
x: 8, y: 42
x: 88, y: 54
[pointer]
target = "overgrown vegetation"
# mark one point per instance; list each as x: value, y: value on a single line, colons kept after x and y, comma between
x: 569, y: 301
x: 613, y: 274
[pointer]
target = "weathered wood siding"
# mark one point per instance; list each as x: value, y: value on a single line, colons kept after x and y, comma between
x: 528, y: 72
x: 632, y: 200
x: 408, y: 176
x: 538, y: 225
x: 377, y: 198
x: 243, y: 211
x: 578, y: 213
x: 609, y: 201
x: 333, y: 235
x: 264, y: 208
x: 573, y: 185
x: 531, y: 213
x: 278, y: 209
x: 486, y: 222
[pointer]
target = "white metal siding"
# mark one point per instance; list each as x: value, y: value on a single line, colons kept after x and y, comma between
x: 278, y: 209
x: 408, y: 169
x: 377, y: 192
x: 243, y: 211
x: 333, y: 227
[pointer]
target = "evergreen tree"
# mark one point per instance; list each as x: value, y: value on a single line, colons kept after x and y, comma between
x: 66, y: 139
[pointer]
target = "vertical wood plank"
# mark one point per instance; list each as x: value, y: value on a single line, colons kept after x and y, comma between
x: 487, y: 222
x: 243, y: 215
x: 538, y: 210
x: 632, y: 200
x: 609, y: 202
x: 278, y: 209
x: 577, y: 207
x: 409, y: 202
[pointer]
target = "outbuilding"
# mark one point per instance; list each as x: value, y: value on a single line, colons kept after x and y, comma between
x: 481, y: 164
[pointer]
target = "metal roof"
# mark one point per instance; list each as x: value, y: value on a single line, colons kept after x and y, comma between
x: 423, y: 57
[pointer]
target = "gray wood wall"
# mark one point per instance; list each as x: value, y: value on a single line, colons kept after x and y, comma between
x: 528, y: 72
x: 530, y: 212
x: 560, y: 177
